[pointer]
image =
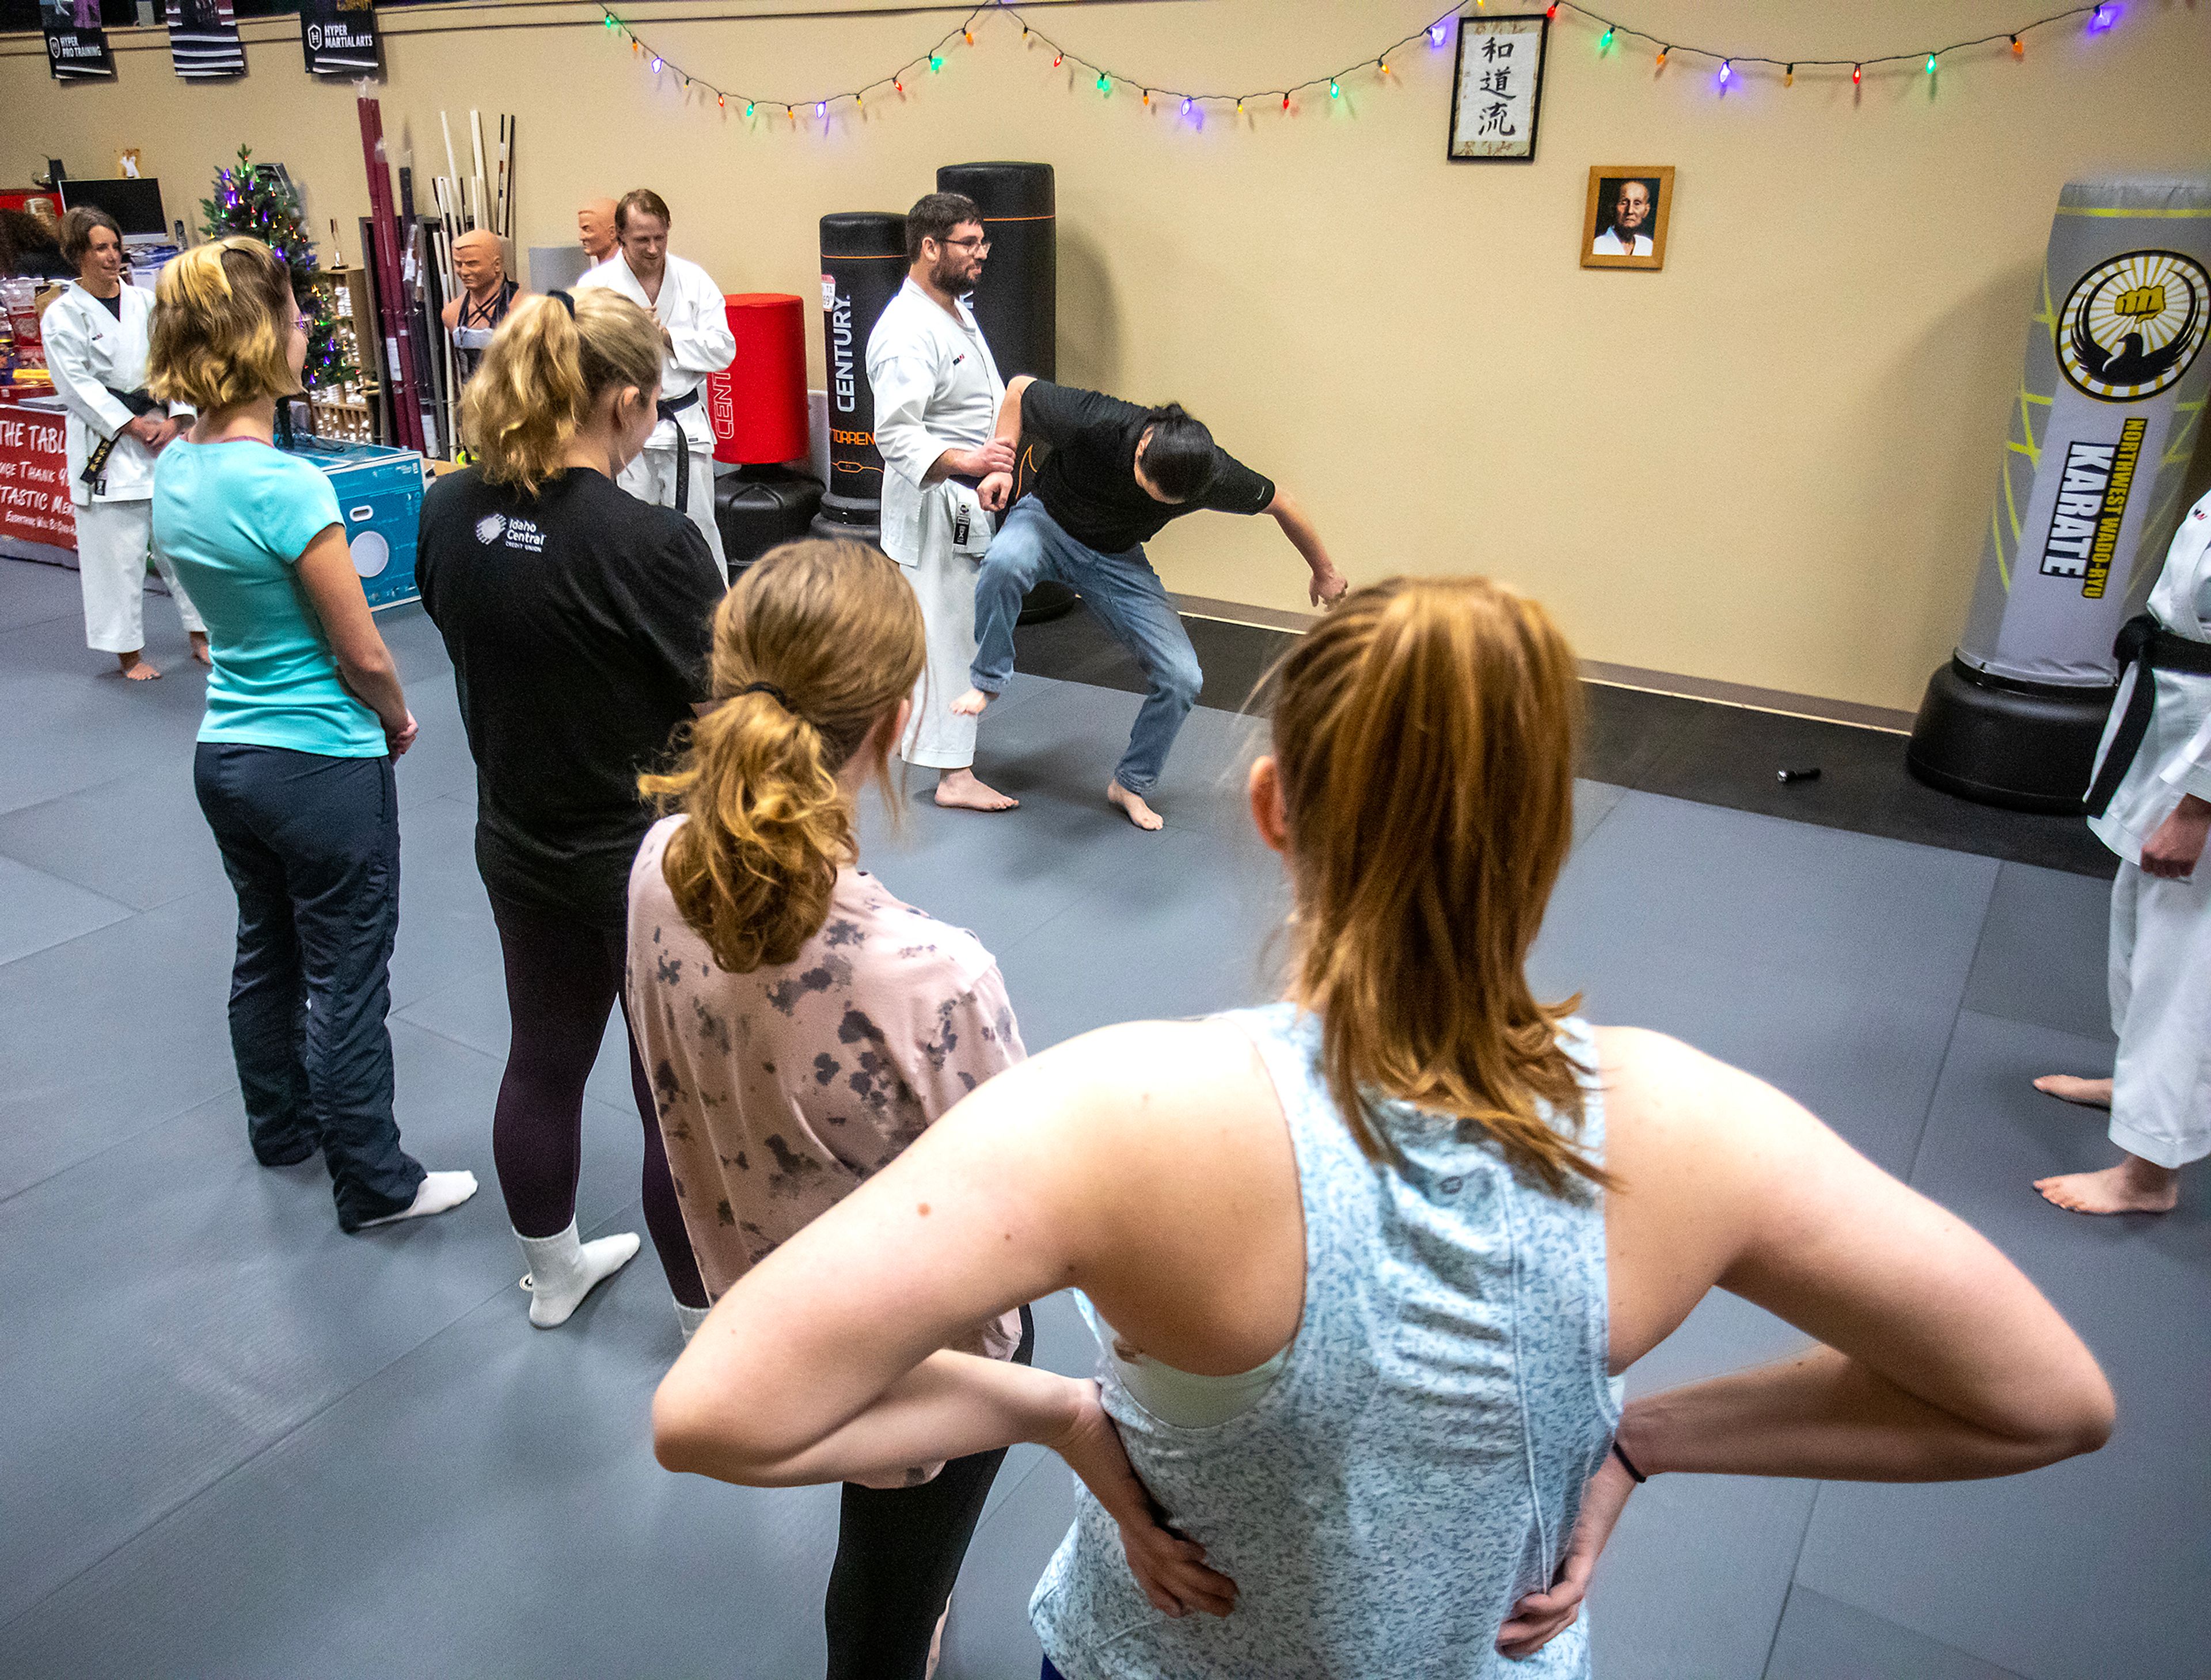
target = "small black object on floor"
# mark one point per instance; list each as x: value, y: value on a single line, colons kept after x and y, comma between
x: 1704, y: 750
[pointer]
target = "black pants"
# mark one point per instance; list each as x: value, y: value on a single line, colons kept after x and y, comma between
x: 311, y: 847
x: 563, y: 975
x: 898, y: 1551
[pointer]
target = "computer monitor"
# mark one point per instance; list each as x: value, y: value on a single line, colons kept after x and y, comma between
x: 135, y: 205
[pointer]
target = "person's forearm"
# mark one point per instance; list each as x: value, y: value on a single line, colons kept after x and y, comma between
x: 949, y: 1406
x: 1008, y: 429
x: 1825, y: 1417
x: 377, y: 686
x: 707, y: 347
x: 1302, y: 535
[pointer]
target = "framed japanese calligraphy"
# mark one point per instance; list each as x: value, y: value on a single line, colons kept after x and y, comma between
x: 1624, y: 223
x: 1498, y: 89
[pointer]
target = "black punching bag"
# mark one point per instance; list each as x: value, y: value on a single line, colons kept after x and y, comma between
x: 863, y: 266
x: 1016, y: 303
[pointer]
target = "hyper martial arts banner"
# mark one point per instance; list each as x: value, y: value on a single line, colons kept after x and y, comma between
x: 339, y: 37
x: 2109, y: 409
x: 204, y: 39
x: 76, y: 46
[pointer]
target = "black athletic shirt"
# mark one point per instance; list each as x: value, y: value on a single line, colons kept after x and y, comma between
x: 577, y: 622
x: 1088, y: 483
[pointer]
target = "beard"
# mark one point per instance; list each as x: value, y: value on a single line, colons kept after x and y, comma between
x: 950, y: 276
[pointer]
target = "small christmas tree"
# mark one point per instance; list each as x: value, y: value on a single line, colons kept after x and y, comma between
x: 258, y: 202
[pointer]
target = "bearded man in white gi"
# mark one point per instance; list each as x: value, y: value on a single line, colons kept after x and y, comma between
x: 676, y: 467
x: 95, y: 335
x: 938, y: 391
x: 2155, y: 771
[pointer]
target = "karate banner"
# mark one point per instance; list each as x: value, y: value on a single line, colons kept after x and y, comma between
x: 76, y: 46
x: 2109, y: 409
x: 339, y: 37
x: 203, y: 40
x: 34, y: 498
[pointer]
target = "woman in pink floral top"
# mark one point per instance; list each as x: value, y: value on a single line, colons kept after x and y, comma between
x: 799, y: 1024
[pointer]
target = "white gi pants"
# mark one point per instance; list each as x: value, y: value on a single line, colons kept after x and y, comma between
x: 2161, y: 1011
x: 936, y: 737
x: 652, y: 478
x: 112, y: 541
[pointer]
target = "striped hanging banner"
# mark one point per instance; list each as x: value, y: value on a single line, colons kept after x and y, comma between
x: 203, y: 40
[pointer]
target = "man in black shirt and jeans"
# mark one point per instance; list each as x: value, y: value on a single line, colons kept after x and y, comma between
x: 1115, y: 475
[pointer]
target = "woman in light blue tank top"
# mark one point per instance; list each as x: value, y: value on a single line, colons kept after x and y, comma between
x: 1368, y: 1262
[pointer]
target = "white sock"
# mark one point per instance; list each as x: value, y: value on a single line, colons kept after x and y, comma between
x: 439, y: 1193
x: 689, y: 1319
x: 563, y: 1271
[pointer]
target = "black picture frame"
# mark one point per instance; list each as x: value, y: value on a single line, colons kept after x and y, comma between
x: 1484, y: 27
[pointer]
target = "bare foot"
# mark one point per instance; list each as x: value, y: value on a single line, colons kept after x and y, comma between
x: 200, y: 649
x: 2070, y: 1087
x: 958, y: 790
x: 2135, y: 1186
x: 137, y: 667
x: 971, y: 704
x: 1138, y: 813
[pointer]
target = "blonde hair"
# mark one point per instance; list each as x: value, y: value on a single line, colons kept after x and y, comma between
x: 544, y: 372
x: 223, y: 327
x: 1425, y: 735
x: 813, y: 648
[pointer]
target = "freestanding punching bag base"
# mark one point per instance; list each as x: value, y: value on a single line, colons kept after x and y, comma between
x: 2026, y: 746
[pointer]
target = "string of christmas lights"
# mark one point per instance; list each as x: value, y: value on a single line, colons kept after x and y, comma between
x: 1193, y: 103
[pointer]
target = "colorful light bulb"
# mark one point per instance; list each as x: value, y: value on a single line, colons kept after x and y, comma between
x: 1435, y: 34
x: 1931, y: 64
x: 2017, y: 50
x: 821, y: 107
x: 1727, y: 71
x: 1858, y: 74
x: 1663, y: 51
x: 1604, y: 41
x: 1185, y: 107
x: 935, y: 63
x: 1334, y: 92
x: 1789, y: 76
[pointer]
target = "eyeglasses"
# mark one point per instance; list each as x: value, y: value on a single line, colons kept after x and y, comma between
x: 978, y: 244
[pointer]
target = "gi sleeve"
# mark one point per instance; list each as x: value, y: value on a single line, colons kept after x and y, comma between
x: 700, y: 340
x: 2190, y: 769
x: 903, y: 377
x: 68, y: 359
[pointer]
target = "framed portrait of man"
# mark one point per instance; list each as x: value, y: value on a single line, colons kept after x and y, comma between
x: 1624, y: 223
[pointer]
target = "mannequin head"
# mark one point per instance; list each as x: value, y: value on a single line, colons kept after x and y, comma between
x: 594, y: 229
x: 479, y: 264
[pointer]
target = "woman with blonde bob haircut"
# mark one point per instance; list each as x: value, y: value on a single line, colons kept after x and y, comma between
x: 305, y: 720
x: 1372, y: 1258
x: 576, y: 619
x: 803, y: 1025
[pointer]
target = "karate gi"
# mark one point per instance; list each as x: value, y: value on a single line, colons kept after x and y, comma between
x: 2160, y: 952
x: 92, y: 354
x: 691, y: 307
x: 1610, y: 243
x: 936, y: 388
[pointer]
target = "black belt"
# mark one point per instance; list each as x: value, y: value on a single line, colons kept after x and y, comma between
x: 669, y: 410
x: 2150, y: 648
x: 95, y: 465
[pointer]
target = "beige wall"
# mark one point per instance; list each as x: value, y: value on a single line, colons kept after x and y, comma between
x: 1769, y: 464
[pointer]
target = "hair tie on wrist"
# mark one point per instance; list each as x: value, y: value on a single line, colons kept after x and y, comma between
x: 567, y: 302
x: 1628, y: 1464
x: 781, y: 699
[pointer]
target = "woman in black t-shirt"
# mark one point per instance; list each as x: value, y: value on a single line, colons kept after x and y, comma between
x: 577, y: 621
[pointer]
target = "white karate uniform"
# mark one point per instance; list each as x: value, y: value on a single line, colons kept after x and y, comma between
x: 691, y: 307
x: 1610, y: 243
x: 2160, y: 953
x: 936, y: 388
x: 91, y: 353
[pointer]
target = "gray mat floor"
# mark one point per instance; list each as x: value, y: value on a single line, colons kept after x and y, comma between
x: 234, y: 1443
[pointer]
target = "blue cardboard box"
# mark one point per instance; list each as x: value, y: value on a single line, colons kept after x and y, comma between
x: 379, y: 491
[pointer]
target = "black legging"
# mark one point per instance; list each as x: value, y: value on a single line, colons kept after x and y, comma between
x: 898, y: 1552
x: 563, y: 975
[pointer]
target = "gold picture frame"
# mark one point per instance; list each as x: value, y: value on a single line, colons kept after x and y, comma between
x: 1606, y: 243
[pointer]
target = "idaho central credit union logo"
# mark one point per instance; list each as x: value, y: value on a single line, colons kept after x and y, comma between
x: 489, y: 527
x: 2132, y: 325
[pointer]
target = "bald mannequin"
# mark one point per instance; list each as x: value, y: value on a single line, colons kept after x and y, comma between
x: 594, y: 229
x: 479, y: 264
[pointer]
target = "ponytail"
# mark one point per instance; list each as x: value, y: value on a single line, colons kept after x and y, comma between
x: 546, y: 366
x: 1424, y: 736
x: 814, y: 649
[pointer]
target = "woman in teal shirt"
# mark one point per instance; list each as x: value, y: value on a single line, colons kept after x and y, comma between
x: 305, y: 718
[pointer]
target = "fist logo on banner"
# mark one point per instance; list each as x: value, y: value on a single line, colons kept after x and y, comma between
x: 2132, y: 325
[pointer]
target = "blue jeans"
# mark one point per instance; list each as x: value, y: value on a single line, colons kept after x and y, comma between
x: 1124, y: 592
x: 312, y: 847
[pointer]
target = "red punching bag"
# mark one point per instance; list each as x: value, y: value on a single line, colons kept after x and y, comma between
x: 758, y: 404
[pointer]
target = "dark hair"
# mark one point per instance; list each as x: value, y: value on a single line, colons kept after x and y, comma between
x: 1180, y: 457
x: 77, y: 232
x: 645, y: 202
x: 934, y: 217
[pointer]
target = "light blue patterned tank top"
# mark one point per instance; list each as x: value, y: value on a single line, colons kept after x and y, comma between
x: 1417, y: 1464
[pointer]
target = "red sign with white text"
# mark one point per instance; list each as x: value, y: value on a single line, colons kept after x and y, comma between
x: 34, y: 498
